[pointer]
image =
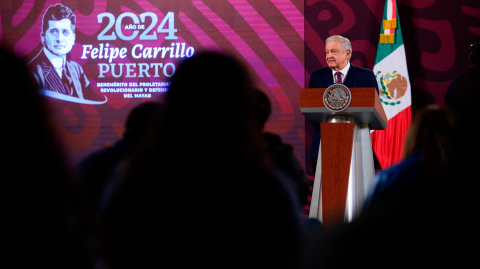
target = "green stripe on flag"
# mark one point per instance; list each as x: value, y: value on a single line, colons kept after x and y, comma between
x: 384, y: 50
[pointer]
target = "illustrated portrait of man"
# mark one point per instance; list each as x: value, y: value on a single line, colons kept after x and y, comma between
x: 338, y: 50
x: 56, y: 76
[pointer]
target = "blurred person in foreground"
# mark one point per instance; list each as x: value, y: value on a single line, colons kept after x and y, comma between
x: 289, y: 171
x: 466, y: 86
x: 43, y: 220
x: 426, y: 215
x: 201, y: 193
x: 97, y: 171
x: 282, y: 155
x: 428, y: 153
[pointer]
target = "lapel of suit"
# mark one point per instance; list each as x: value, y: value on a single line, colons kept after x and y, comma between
x: 42, y: 71
x: 350, y: 76
x: 51, y: 78
x: 49, y: 73
x: 328, y: 77
x: 46, y: 69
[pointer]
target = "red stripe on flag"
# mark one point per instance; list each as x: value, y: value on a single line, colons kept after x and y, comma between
x: 394, y: 9
x: 388, y: 143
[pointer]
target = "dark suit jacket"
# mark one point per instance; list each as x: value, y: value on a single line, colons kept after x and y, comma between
x: 357, y: 77
x: 74, y: 82
x: 461, y: 90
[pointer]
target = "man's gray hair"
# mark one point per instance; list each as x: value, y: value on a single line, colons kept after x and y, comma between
x: 344, y: 41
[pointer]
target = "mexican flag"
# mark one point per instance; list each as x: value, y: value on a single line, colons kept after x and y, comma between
x: 394, y: 88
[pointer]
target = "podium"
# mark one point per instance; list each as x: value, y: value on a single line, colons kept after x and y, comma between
x: 345, y: 158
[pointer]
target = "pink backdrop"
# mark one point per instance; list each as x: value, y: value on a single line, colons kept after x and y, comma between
x: 267, y: 36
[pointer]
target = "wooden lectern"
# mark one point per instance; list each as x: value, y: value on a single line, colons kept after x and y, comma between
x: 345, y: 159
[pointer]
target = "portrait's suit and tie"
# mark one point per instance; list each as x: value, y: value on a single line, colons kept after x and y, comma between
x: 73, y: 82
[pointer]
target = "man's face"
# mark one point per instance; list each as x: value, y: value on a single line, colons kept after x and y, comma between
x: 337, y: 59
x: 59, y: 37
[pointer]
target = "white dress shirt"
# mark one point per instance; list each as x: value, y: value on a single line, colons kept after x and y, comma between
x: 57, y: 62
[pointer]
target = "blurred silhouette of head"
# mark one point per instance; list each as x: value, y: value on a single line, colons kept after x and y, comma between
x: 203, y: 179
x: 262, y: 106
x: 209, y: 105
x: 41, y: 217
x: 431, y: 131
x: 141, y: 118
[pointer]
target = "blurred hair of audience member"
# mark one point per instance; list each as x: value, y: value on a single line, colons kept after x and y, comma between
x: 201, y: 193
x: 428, y: 153
x: 45, y: 223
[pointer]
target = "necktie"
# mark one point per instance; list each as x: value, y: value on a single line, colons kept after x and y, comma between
x: 338, y: 77
x: 67, y: 82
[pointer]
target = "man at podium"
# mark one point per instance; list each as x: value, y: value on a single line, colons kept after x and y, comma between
x: 338, y: 51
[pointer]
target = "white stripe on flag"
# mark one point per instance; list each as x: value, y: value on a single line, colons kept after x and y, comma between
x: 389, y: 16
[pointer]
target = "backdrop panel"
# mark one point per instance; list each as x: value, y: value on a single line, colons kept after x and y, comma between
x: 129, y: 49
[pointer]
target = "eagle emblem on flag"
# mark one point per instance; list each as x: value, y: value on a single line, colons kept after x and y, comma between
x: 393, y: 87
